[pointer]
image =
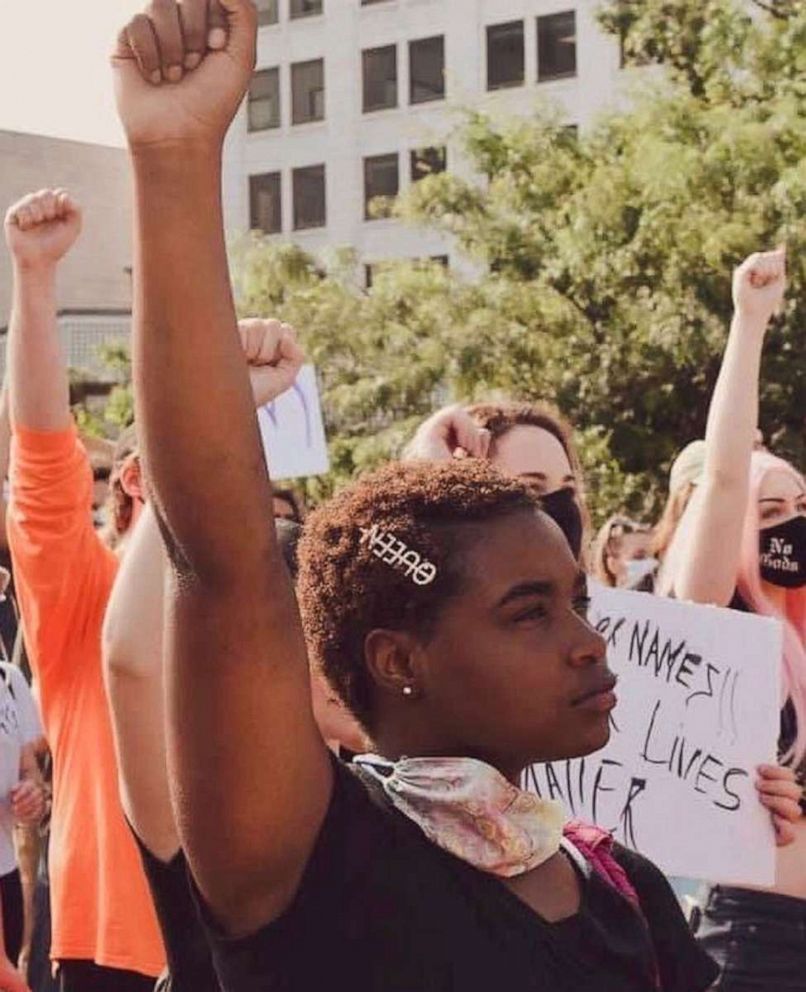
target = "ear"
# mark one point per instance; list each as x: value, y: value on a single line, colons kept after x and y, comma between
x: 394, y: 662
x: 131, y: 478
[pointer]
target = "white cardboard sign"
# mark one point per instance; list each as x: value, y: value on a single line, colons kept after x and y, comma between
x: 293, y: 431
x: 699, y: 710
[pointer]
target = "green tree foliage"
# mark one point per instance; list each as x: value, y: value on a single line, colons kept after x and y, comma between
x: 603, y: 260
x: 610, y: 257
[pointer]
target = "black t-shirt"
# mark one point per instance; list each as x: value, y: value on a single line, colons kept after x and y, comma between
x: 382, y: 909
x: 190, y: 963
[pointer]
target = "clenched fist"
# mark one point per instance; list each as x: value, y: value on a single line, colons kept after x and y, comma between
x: 182, y: 69
x: 273, y: 355
x: 448, y: 433
x: 759, y: 284
x: 42, y: 227
x: 28, y: 803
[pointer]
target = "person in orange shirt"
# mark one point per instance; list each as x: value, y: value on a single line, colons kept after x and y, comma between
x: 105, y: 933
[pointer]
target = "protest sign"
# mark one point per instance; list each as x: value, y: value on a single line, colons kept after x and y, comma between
x: 699, y: 710
x: 293, y: 432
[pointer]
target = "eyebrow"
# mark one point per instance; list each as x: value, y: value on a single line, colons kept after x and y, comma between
x: 524, y: 590
x: 538, y: 588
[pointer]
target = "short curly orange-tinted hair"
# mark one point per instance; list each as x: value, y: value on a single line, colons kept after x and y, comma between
x: 345, y: 590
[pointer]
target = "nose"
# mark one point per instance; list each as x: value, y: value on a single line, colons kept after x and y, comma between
x: 589, y: 647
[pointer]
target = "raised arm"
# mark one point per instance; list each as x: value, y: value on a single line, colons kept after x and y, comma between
x: 132, y: 651
x: 133, y: 641
x: 40, y: 230
x: 250, y: 774
x: 704, y: 557
x: 60, y: 565
x: 5, y: 457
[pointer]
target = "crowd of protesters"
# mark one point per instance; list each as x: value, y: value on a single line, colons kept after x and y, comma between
x: 248, y: 747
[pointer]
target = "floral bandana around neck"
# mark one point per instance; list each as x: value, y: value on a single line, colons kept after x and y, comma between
x: 470, y: 810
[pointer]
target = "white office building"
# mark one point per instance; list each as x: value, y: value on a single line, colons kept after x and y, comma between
x: 354, y: 99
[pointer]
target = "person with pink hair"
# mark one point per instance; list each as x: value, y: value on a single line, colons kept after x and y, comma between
x: 741, y: 542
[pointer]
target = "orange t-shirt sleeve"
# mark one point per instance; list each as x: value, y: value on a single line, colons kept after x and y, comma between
x: 62, y: 570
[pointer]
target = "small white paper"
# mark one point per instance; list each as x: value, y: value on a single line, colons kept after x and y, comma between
x: 293, y: 430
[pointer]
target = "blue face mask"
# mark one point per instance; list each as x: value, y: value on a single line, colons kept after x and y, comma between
x: 562, y: 507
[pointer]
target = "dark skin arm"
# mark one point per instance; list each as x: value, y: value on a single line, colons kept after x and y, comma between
x: 251, y: 779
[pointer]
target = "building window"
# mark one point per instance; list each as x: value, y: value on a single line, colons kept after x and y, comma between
x: 265, y: 203
x: 305, y: 8
x: 380, y: 78
x: 264, y: 100
x: 505, y: 55
x: 556, y: 46
x: 366, y: 3
x: 267, y: 12
x: 308, y: 91
x: 426, y: 70
x: 442, y: 260
x: 369, y: 270
x: 427, y: 162
x: 381, y: 185
x: 310, y: 208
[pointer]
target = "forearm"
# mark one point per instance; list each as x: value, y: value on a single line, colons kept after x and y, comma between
x: 733, y: 414
x: 5, y: 457
x: 194, y: 403
x: 710, y: 538
x: 37, y: 375
x: 5, y: 433
x: 28, y: 844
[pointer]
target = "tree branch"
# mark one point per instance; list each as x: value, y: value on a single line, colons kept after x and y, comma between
x: 771, y: 9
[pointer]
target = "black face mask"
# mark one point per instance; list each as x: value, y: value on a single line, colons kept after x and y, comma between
x: 782, y: 551
x: 562, y: 507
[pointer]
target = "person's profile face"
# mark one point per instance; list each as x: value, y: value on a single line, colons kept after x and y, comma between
x: 512, y: 655
x: 284, y: 509
x: 635, y: 546
x: 536, y: 457
x: 781, y: 497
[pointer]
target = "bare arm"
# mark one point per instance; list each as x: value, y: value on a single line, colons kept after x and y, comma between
x: 132, y: 652
x: 133, y: 644
x: 28, y: 844
x: 40, y: 230
x: 5, y: 458
x: 251, y: 774
x: 704, y: 557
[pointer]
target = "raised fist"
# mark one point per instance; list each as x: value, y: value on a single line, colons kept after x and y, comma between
x: 273, y: 355
x: 42, y: 227
x: 182, y: 69
x: 759, y: 284
x: 448, y: 433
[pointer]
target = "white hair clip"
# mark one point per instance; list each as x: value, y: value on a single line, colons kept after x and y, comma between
x: 398, y: 554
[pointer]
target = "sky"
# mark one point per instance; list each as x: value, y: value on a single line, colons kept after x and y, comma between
x: 54, y: 67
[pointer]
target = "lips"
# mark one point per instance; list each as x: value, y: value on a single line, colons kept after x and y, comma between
x: 604, y: 684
